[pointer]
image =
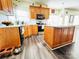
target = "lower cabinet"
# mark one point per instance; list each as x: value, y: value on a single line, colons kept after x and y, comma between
x: 9, y: 38
x: 70, y: 34
x: 26, y: 31
x: 49, y: 35
x: 34, y: 29
x: 56, y: 37
x: 30, y: 30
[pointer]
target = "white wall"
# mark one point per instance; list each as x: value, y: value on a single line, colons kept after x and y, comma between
x: 21, y: 13
x: 54, y: 20
x: 76, y: 20
x: 2, y: 17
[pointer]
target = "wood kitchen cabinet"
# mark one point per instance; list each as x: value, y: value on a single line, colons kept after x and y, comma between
x: 2, y: 38
x: 67, y: 35
x: 58, y: 36
x: 12, y: 35
x: 70, y: 34
x: 6, y: 5
x: 34, y: 10
x: 9, y: 5
x: 26, y: 31
x: 30, y: 30
x: 64, y: 33
x: 45, y: 12
x: 9, y: 37
x: 34, y: 29
x: 0, y: 6
x: 48, y: 35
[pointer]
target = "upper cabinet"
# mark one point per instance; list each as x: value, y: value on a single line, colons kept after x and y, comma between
x: 10, y: 5
x: 6, y: 5
x: 34, y: 10
x: 0, y: 5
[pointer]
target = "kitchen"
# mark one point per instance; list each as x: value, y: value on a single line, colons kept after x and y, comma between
x: 39, y: 29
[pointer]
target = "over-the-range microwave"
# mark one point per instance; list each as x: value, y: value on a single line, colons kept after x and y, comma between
x: 40, y: 17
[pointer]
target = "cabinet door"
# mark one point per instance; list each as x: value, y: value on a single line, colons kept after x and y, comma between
x: 12, y: 37
x: 0, y: 5
x: 9, y: 37
x: 45, y: 12
x: 64, y: 35
x: 38, y: 10
x: 70, y: 34
x: 32, y: 12
x: 25, y: 31
x: 29, y: 30
x: 42, y: 11
x: 2, y: 38
x: 34, y: 29
x: 9, y: 5
x: 45, y: 34
x: 48, y: 35
x: 4, y: 5
x: 57, y: 37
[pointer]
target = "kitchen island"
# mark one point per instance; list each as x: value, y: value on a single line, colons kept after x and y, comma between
x: 58, y: 36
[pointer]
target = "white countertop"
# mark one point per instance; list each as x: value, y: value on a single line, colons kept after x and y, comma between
x: 9, y: 26
x: 15, y: 25
x: 58, y: 21
x: 62, y: 25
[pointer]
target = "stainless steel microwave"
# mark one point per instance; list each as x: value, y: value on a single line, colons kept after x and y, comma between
x: 40, y: 17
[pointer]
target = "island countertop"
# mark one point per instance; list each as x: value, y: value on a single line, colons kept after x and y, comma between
x: 59, y: 26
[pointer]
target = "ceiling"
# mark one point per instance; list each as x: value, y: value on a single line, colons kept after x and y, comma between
x: 63, y: 3
x: 70, y: 4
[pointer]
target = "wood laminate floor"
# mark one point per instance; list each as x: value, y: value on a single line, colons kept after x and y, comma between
x: 70, y: 51
x: 67, y: 52
x: 34, y: 49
